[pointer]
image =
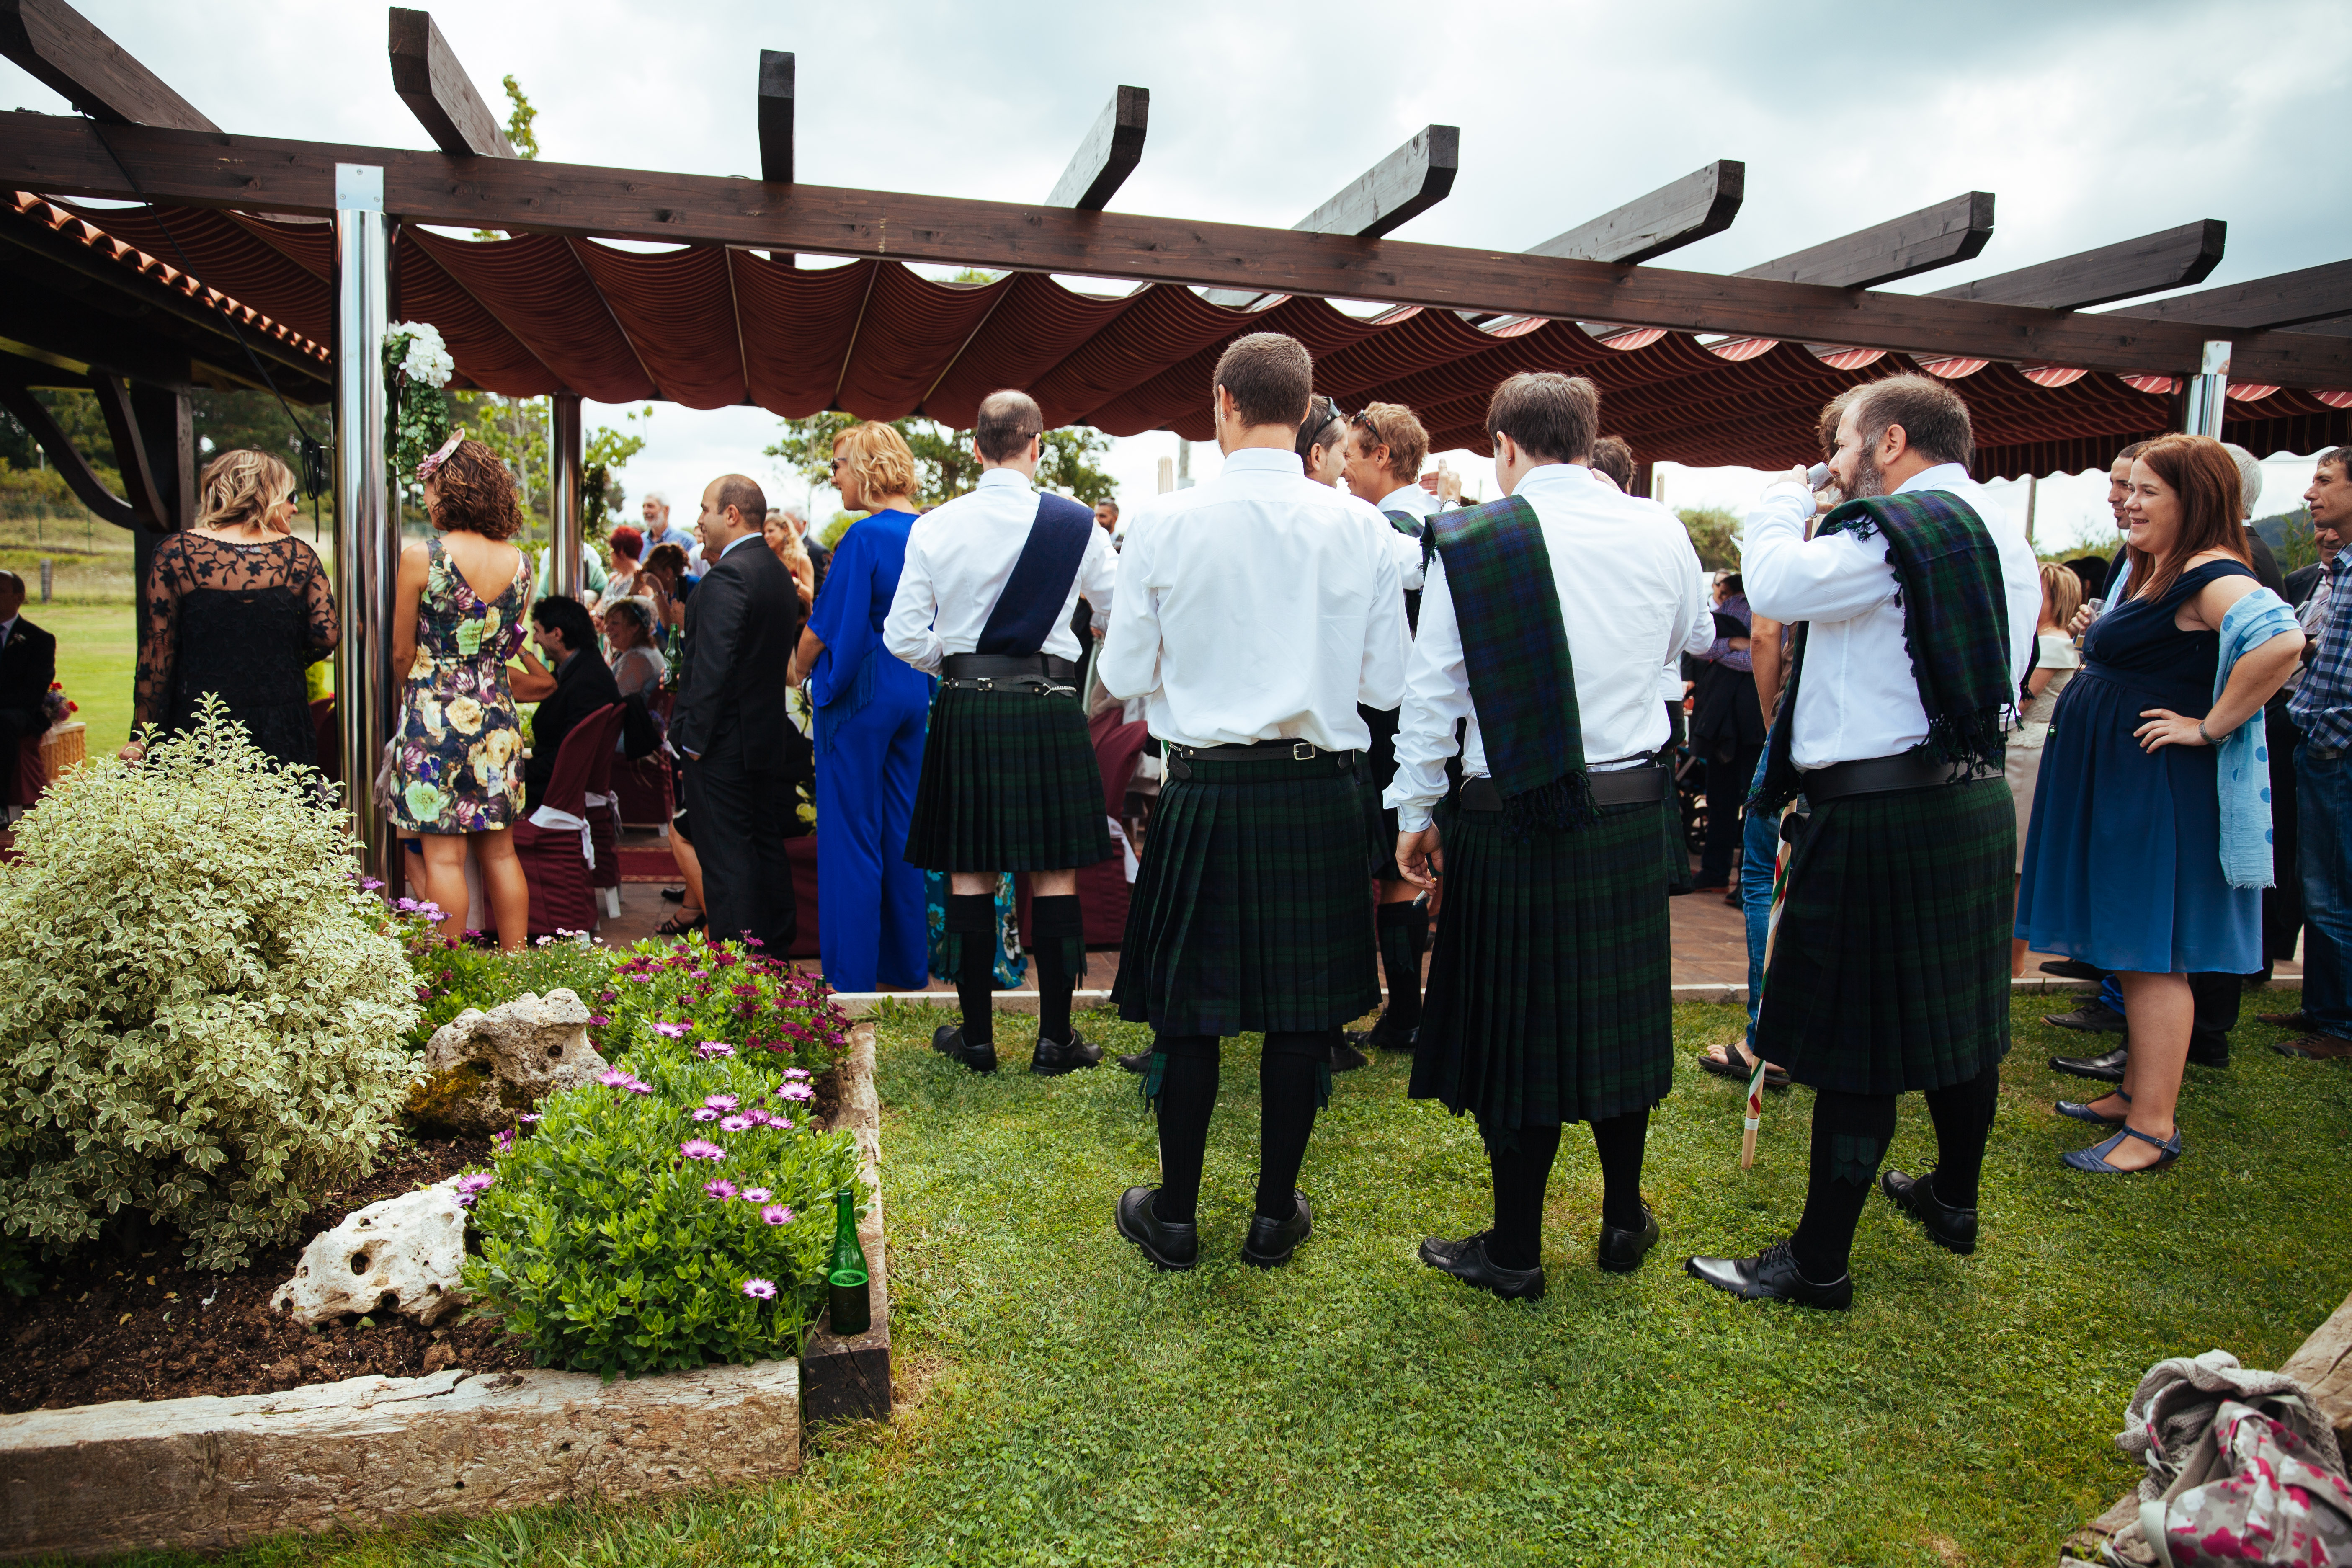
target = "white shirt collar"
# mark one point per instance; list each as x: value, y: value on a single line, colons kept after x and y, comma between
x: 1409, y: 498
x: 8, y: 626
x: 1942, y: 477
x: 1002, y: 478
x: 1264, y: 460
x: 1548, y: 474
x: 744, y: 539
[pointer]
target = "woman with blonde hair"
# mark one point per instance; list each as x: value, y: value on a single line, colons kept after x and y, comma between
x: 236, y: 608
x: 458, y: 615
x: 871, y: 710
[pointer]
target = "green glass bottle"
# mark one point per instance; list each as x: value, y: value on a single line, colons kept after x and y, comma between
x: 853, y: 1310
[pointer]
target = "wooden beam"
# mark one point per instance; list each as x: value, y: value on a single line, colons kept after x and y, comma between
x: 62, y: 154
x: 1698, y: 205
x: 1917, y: 242
x: 427, y: 75
x: 58, y: 45
x: 16, y: 397
x: 1108, y: 154
x: 2153, y: 262
x: 1403, y: 186
x: 2284, y: 299
x: 777, y: 73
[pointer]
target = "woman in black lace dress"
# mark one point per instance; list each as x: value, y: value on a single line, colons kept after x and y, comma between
x: 238, y: 607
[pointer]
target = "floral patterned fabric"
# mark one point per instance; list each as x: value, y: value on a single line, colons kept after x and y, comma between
x: 458, y: 768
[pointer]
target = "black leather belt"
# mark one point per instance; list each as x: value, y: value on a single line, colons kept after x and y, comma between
x: 1887, y: 775
x: 988, y: 671
x: 1180, y: 758
x: 1644, y: 786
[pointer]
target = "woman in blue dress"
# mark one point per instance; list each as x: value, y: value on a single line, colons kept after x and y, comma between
x: 2123, y: 865
x: 871, y: 710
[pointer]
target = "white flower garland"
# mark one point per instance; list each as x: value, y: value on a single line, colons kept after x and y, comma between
x: 428, y: 361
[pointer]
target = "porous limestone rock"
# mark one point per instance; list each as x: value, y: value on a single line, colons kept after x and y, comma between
x: 484, y: 1069
x: 401, y: 1255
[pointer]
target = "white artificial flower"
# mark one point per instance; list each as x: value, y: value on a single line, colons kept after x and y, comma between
x: 427, y: 360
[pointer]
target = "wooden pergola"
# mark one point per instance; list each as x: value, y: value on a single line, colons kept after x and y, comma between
x: 255, y: 260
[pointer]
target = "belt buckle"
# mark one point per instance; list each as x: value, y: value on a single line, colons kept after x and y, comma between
x: 983, y: 683
x: 1302, y: 750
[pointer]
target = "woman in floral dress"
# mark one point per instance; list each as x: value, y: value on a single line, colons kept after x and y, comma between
x: 459, y: 613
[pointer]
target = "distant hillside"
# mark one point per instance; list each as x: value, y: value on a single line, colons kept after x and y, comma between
x: 2289, y: 536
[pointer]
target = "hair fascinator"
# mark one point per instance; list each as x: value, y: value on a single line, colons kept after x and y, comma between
x: 424, y: 470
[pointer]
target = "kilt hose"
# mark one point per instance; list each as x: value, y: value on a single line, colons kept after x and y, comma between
x: 1375, y: 774
x: 1251, y: 911
x: 1550, y: 993
x: 1009, y: 784
x: 1890, y: 964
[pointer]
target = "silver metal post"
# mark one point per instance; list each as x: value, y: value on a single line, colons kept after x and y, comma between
x: 564, y: 457
x: 365, y: 547
x: 2208, y: 392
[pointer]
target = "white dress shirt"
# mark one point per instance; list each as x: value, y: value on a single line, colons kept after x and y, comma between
x: 960, y: 554
x: 1630, y: 599
x: 1258, y: 606
x: 1414, y: 501
x: 1858, y: 697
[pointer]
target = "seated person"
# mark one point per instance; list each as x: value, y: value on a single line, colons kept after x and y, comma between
x: 572, y: 684
x: 638, y: 666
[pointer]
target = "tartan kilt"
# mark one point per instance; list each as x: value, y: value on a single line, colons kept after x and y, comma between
x: 1009, y: 784
x: 1379, y: 770
x: 1550, y: 994
x: 1890, y: 963
x: 1251, y: 911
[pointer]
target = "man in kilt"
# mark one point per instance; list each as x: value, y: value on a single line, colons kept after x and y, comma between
x: 1545, y: 617
x: 1252, y: 615
x: 1009, y: 782
x: 1890, y: 960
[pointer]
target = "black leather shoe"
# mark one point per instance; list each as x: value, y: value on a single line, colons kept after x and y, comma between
x: 2094, y: 1017
x: 1272, y: 1241
x: 1137, y: 1062
x: 1467, y: 1261
x: 674, y: 895
x: 1383, y: 1036
x: 947, y: 1040
x: 1053, y: 1058
x: 1771, y: 1276
x: 1621, y: 1251
x: 2108, y: 1069
x: 2072, y: 969
x: 1172, y: 1248
x: 1346, y: 1058
x: 1953, y: 1230
x: 2210, y: 1056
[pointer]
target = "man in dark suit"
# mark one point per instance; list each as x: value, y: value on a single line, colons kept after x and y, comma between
x: 731, y: 723
x: 29, y: 663
x: 574, y: 682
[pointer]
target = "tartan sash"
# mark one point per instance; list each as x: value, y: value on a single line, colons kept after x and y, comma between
x: 1948, y: 584
x: 1515, y: 649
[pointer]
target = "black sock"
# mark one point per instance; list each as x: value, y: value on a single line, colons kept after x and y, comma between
x: 1057, y: 936
x: 1963, y: 1114
x: 1404, y: 932
x: 1292, y: 1071
x: 1521, y: 1162
x: 1851, y: 1132
x: 971, y: 922
x: 1619, y: 1140
x: 1187, y: 1098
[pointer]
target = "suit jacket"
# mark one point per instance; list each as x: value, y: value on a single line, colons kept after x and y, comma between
x: 28, y: 664
x: 584, y: 684
x: 2301, y: 582
x: 741, y: 627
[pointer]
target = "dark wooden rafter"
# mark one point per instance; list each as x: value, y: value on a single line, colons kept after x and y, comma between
x: 2310, y: 296
x: 1937, y: 236
x: 1400, y: 186
x: 145, y: 497
x: 777, y: 75
x: 427, y: 75
x: 1109, y: 155
x: 60, y: 47
x: 2171, y: 258
x: 1699, y: 203
x: 56, y: 153
x: 17, y: 378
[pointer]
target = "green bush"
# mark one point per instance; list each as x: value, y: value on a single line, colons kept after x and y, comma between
x: 204, y: 1009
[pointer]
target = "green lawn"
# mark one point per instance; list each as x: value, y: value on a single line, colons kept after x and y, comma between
x: 1064, y: 1404
x: 97, y: 658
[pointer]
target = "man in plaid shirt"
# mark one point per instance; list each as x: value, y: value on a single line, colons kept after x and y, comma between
x: 2322, y: 710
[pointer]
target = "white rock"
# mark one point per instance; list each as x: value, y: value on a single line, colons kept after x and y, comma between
x: 522, y: 1050
x: 401, y: 1255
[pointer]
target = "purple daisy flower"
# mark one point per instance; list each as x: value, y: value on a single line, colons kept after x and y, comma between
x: 720, y: 1189
x: 704, y: 1114
x: 797, y: 1092
x: 759, y: 1289
x: 756, y: 1194
x: 701, y: 1148
x: 776, y: 1213
x: 613, y: 1078
x: 796, y: 1072
x: 710, y: 1049
x: 720, y: 1101
x: 734, y: 1124
x: 638, y: 1085
x: 675, y: 1031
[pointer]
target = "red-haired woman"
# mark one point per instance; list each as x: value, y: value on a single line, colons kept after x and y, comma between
x: 2122, y: 862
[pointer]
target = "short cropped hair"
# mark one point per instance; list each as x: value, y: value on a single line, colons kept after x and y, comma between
x: 1550, y: 416
x: 1935, y: 421
x: 877, y: 458
x: 2339, y: 456
x: 1106, y: 502
x: 628, y: 541
x: 1613, y: 456
x: 2130, y: 452
x: 744, y: 494
x: 1397, y: 427
x: 1008, y: 421
x: 562, y: 612
x: 1270, y: 376
x: 475, y: 493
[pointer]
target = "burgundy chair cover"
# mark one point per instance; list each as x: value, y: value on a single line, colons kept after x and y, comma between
x: 328, y: 737
x: 29, y: 777
x: 802, y: 853
x: 561, y: 896
x: 604, y: 821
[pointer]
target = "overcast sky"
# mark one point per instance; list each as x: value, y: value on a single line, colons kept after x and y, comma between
x: 2090, y: 121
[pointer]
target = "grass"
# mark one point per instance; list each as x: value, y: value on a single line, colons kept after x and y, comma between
x: 98, y: 659
x: 1064, y: 1404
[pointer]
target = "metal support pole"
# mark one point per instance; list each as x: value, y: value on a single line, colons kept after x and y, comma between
x: 365, y: 546
x: 564, y: 457
x: 2208, y: 393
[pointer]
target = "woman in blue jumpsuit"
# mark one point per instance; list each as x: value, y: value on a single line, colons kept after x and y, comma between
x: 871, y: 710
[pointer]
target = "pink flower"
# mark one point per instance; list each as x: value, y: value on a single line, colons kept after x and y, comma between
x: 796, y: 1092
x: 796, y: 1072
x: 613, y: 1078
x: 701, y: 1148
x: 781, y: 1124
x: 734, y: 1124
x: 704, y: 1114
x: 776, y: 1213
x: 675, y: 1031
x: 638, y: 1085
x: 720, y: 1101
x: 503, y: 1141
x: 710, y: 1049
x: 475, y: 1182
x: 598, y: 1020
x: 697, y: 975
x: 529, y: 1115
x: 721, y: 1189
x: 759, y: 1289
x: 756, y: 1194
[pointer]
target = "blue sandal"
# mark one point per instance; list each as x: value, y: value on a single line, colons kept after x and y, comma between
x: 2094, y: 1159
x: 2081, y: 1110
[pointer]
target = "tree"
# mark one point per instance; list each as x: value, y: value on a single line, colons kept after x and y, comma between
x: 945, y: 467
x: 519, y: 135
x: 1715, y: 534
x: 609, y: 450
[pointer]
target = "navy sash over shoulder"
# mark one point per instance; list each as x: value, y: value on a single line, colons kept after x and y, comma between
x: 1031, y: 605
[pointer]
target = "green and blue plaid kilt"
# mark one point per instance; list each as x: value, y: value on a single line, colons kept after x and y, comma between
x: 1251, y: 911
x: 1890, y: 966
x: 1009, y: 784
x: 1550, y: 993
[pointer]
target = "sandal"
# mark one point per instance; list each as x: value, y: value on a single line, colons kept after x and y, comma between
x: 2094, y: 1160
x: 2081, y: 1110
x: 681, y: 922
x: 1737, y: 1064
